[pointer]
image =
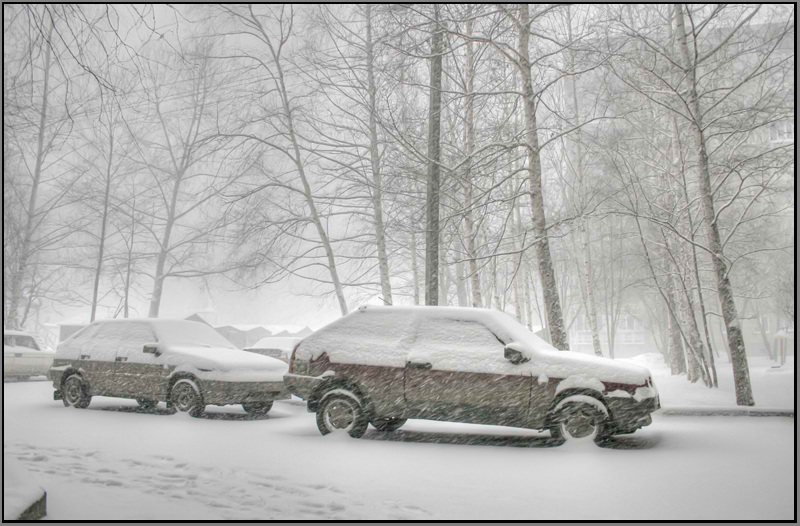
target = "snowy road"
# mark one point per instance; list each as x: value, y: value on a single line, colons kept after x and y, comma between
x: 114, y: 461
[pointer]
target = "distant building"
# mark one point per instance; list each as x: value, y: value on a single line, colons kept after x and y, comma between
x: 197, y: 316
x: 631, y: 337
x: 243, y: 335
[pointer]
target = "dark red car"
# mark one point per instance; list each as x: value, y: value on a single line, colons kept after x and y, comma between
x: 383, y: 365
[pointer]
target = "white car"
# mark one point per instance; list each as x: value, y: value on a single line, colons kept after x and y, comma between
x: 23, y: 356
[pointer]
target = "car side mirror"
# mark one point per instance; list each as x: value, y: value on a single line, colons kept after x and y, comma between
x: 151, y: 348
x: 514, y: 356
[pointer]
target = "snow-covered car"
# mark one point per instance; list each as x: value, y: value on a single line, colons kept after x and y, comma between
x: 187, y: 364
x: 383, y: 365
x: 23, y: 356
x: 279, y: 347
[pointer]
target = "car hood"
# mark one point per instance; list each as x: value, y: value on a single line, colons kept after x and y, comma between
x: 220, y: 359
x: 563, y: 364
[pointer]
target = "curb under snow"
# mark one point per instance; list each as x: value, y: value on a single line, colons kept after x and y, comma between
x: 725, y: 411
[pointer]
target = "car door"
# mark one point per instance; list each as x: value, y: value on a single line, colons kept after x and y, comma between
x: 139, y: 374
x: 98, y: 353
x: 9, y: 356
x: 457, y: 372
x: 27, y: 355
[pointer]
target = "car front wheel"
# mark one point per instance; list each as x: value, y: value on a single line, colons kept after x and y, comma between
x: 342, y: 413
x: 578, y: 420
x: 257, y: 408
x: 388, y: 424
x: 185, y: 397
x: 75, y: 392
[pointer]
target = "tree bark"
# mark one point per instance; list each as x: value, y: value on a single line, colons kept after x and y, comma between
x: 103, y: 219
x: 18, y: 274
x: 377, y: 177
x: 677, y: 359
x: 588, y: 281
x: 552, y: 302
x: 469, y: 146
x: 414, y: 267
x: 763, y: 333
x: 741, y: 371
x: 432, y: 194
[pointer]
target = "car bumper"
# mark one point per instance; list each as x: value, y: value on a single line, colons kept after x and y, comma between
x: 303, y: 386
x: 629, y: 415
x: 227, y: 393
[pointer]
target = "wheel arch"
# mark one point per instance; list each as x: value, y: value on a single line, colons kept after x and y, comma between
x: 572, y: 391
x: 176, y: 377
x: 69, y: 372
x: 340, y: 383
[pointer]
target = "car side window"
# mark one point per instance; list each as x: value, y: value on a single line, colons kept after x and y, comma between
x: 8, y: 340
x: 456, y: 345
x: 464, y: 336
x: 27, y: 342
x: 128, y: 338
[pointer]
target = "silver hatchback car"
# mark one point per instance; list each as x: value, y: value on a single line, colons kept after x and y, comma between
x: 187, y: 364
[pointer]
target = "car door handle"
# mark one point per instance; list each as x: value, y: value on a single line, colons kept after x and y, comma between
x: 17, y: 355
x: 418, y: 365
x: 85, y: 357
x: 121, y: 359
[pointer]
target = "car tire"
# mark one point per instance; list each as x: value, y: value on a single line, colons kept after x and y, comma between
x: 342, y: 413
x: 257, y: 408
x: 388, y: 424
x: 75, y: 392
x: 147, y: 405
x: 185, y: 397
x: 578, y: 420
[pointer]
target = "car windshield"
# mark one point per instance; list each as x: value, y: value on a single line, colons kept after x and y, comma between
x: 190, y: 334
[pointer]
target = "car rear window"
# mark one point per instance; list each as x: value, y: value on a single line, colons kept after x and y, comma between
x: 364, y: 338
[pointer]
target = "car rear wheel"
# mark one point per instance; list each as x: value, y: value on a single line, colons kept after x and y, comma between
x: 578, y: 420
x: 75, y: 392
x: 185, y: 397
x: 388, y: 424
x: 146, y: 404
x: 257, y: 408
x: 342, y: 413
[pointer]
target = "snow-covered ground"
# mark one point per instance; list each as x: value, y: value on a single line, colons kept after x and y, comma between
x: 114, y: 461
x: 773, y: 386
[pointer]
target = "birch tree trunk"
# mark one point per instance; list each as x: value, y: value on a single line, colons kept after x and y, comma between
x: 414, y: 267
x: 18, y: 274
x: 763, y: 333
x: 469, y: 145
x: 589, y: 284
x: 677, y: 360
x: 432, y: 195
x: 104, y: 218
x: 552, y: 303
x: 377, y: 178
x: 741, y: 371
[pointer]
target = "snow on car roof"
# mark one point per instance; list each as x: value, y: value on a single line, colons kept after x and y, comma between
x: 284, y: 343
x: 176, y: 331
x: 500, y: 323
x: 388, y: 337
